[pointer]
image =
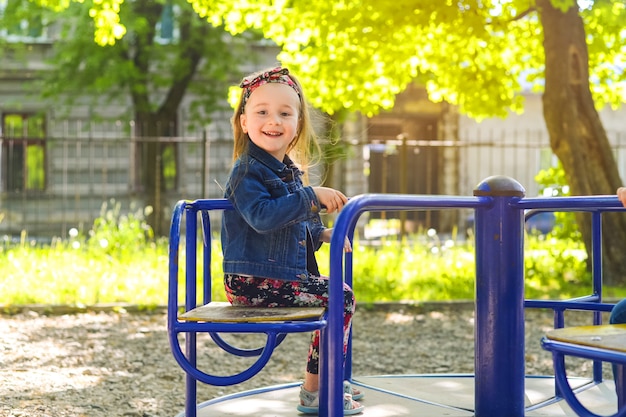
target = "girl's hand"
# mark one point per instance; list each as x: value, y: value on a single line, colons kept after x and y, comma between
x: 326, y: 235
x: 621, y: 194
x: 330, y: 198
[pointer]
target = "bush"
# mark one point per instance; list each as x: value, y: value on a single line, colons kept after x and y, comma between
x: 120, y: 262
x: 552, y: 183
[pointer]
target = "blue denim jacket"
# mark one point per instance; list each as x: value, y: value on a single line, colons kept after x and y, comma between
x: 265, y: 235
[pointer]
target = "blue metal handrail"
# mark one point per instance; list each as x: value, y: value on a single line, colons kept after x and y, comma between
x: 499, y: 206
x: 560, y: 350
x: 332, y: 368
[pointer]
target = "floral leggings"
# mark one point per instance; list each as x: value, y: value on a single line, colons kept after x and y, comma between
x: 264, y: 292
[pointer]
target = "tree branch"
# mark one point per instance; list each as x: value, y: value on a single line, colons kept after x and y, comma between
x: 524, y: 14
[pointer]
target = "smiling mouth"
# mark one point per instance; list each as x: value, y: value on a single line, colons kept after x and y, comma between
x: 272, y: 133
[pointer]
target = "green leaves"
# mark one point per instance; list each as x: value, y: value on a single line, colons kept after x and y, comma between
x: 153, y: 71
x: 606, y: 40
x: 479, y: 55
x: 563, y: 5
x: 358, y: 55
x: 106, y: 18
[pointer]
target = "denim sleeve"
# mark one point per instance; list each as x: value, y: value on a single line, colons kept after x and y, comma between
x: 266, y: 203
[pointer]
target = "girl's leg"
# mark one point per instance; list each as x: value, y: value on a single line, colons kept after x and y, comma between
x: 618, y: 314
x: 253, y: 291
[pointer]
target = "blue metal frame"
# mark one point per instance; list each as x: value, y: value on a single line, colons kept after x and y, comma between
x: 331, y: 367
x: 560, y: 350
x: 499, y: 206
x: 596, y: 206
x: 275, y: 331
x: 499, y: 344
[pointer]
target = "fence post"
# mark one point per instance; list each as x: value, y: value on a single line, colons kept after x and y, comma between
x: 204, y: 162
x: 499, y: 326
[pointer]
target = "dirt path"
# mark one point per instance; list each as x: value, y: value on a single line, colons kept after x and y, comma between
x: 100, y: 364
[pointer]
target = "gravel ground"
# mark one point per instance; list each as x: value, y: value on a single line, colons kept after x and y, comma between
x: 118, y: 363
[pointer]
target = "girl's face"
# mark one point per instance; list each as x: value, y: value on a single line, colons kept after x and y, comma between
x: 271, y: 118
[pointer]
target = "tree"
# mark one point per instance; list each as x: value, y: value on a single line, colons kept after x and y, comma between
x: 357, y: 55
x: 577, y: 136
x: 147, y: 71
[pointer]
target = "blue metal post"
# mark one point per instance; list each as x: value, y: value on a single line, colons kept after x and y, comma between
x: 620, y: 385
x: 596, y: 258
x: 190, y: 303
x: 499, y: 327
x: 331, y: 354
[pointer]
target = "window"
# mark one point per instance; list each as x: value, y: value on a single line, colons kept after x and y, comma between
x: 22, y: 156
x: 166, y: 27
x: 167, y: 22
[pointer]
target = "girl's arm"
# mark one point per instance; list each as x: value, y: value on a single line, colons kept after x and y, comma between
x: 327, y: 234
x: 265, y: 210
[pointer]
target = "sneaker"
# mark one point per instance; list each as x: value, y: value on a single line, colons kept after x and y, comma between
x: 309, y: 402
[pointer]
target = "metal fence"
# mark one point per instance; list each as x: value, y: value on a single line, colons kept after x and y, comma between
x: 51, y: 185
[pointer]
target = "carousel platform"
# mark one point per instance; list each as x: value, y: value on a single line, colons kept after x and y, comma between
x: 415, y: 395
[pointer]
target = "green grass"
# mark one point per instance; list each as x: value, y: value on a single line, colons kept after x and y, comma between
x: 119, y: 261
x: 62, y: 274
x: 83, y: 272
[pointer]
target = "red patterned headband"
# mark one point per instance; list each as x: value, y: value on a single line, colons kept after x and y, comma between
x: 276, y: 75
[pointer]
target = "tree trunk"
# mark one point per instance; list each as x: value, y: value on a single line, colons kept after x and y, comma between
x: 577, y: 136
x: 150, y: 129
x: 150, y: 173
x: 152, y: 125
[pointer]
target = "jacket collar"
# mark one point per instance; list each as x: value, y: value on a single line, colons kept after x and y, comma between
x: 268, y: 160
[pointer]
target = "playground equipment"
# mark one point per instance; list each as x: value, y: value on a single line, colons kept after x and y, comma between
x: 499, y: 381
x: 215, y: 318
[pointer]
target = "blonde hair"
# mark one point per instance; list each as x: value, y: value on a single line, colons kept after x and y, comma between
x: 303, y: 145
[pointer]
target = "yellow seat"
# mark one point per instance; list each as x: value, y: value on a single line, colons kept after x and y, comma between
x: 607, y: 336
x: 223, y: 312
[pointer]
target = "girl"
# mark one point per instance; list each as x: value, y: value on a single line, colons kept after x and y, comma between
x: 270, y: 237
